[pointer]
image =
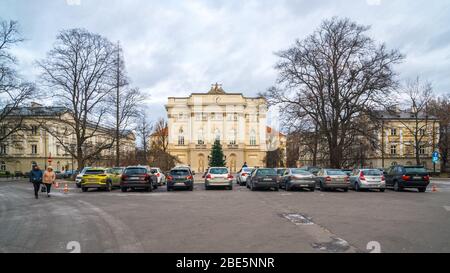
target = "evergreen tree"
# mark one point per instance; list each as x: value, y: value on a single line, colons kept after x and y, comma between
x: 216, y: 158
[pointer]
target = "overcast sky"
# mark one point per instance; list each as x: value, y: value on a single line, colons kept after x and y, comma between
x: 174, y: 48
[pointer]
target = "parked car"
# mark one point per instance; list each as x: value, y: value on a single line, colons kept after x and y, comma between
x: 59, y: 175
x: 402, y: 177
x: 294, y: 178
x: 348, y: 171
x: 311, y: 169
x: 280, y: 173
x: 97, y: 178
x: 365, y: 179
x: 180, y: 177
x: 218, y: 177
x: 80, y: 176
x: 160, y: 176
x: 242, y: 175
x: 115, y: 175
x: 332, y: 179
x: 138, y: 177
x: 263, y: 178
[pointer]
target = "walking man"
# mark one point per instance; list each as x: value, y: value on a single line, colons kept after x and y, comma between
x: 36, y: 178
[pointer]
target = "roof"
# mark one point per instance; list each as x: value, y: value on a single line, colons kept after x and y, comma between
x: 403, y: 115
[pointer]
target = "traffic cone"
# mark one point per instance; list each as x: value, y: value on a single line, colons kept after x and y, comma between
x: 433, y: 188
x: 66, y: 188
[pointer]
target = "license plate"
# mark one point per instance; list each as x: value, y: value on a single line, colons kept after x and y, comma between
x: 179, y: 184
x: 267, y: 179
x: 134, y: 178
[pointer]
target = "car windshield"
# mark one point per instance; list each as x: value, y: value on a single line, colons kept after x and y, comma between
x: 415, y: 170
x: 218, y: 171
x: 372, y: 172
x: 299, y: 171
x: 247, y: 170
x: 95, y: 172
x: 262, y: 172
x: 335, y: 172
x: 281, y: 171
x: 179, y: 172
x: 131, y: 171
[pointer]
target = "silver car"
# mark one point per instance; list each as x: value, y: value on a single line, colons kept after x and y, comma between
x: 160, y: 176
x: 242, y: 176
x: 297, y: 179
x: 218, y: 177
x: 332, y: 179
x: 365, y: 179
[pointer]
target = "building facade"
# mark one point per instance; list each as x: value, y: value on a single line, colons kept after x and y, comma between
x: 238, y: 122
x: 35, y: 145
x: 397, y: 143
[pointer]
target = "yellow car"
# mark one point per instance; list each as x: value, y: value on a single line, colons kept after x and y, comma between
x: 98, y: 178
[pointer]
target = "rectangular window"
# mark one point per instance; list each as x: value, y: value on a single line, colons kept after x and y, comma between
x: 3, y: 149
x: 58, y: 149
x: 181, y: 140
x: 34, y: 149
x: 421, y: 132
x: 422, y: 150
x: 393, y: 149
x: 34, y: 130
x: 253, y: 141
x: 393, y: 132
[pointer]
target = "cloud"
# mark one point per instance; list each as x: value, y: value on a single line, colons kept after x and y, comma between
x: 173, y: 48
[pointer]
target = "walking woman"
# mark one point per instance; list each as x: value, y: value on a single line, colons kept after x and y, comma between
x: 49, y: 179
x: 36, y: 179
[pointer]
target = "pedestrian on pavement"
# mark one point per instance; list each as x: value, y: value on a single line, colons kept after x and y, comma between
x: 36, y: 178
x: 49, y: 179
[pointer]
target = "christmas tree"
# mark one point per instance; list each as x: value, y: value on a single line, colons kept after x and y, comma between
x: 216, y: 158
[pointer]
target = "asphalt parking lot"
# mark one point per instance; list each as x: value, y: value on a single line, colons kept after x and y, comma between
x: 224, y: 221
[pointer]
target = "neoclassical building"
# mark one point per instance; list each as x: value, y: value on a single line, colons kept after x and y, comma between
x: 239, y: 122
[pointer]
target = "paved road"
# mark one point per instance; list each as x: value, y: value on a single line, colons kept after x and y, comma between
x: 224, y: 221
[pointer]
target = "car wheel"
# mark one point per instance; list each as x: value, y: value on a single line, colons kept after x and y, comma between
x: 108, y: 187
x: 422, y: 189
x: 357, y: 187
x: 397, y: 187
x: 345, y: 189
x: 252, y: 188
x: 84, y: 189
x: 191, y: 188
x: 277, y: 188
x: 313, y: 189
x: 287, y: 187
x: 149, y: 188
x: 78, y: 185
x: 169, y: 188
x: 382, y: 190
x: 123, y: 189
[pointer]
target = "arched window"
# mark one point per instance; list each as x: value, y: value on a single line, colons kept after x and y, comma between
x: 181, y: 136
x: 253, y: 138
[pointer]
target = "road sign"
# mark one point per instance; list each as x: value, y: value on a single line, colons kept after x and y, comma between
x: 435, y: 157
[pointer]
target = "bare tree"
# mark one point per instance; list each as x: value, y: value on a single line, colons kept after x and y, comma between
x: 13, y: 90
x: 144, y: 132
x: 440, y: 107
x: 159, y: 151
x: 419, y: 96
x: 79, y: 71
x: 332, y: 78
x: 126, y: 101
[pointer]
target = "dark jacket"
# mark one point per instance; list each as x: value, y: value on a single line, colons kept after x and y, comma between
x: 36, y: 176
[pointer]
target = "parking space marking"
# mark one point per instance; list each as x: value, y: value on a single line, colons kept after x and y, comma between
x: 297, y: 219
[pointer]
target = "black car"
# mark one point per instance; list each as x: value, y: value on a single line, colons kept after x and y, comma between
x: 264, y: 178
x: 180, y: 178
x: 402, y: 177
x: 138, y: 178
